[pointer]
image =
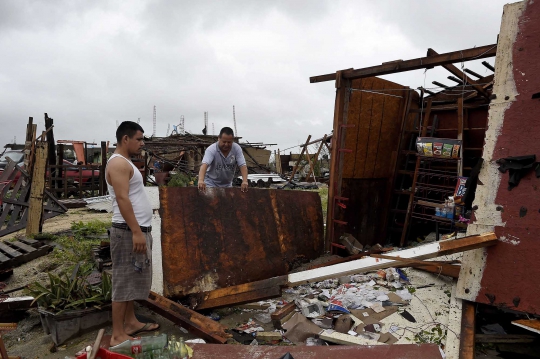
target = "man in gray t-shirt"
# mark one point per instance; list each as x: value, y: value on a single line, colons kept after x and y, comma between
x: 220, y: 161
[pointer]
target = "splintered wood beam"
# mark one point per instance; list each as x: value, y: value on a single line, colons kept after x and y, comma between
x: 414, y: 64
x: 281, y: 315
x: 427, y: 266
x: 461, y: 75
x: 530, y: 324
x: 200, y: 325
x: 35, y: 210
x: 409, y: 261
x: 242, y: 293
x: 299, y: 158
x: 466, y: 341
x: 504, y: 338
x: 367, y: 264
x: 488, y: 65
x: 449, y: 270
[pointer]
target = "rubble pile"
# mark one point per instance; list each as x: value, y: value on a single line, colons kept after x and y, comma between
x: 375, y: 308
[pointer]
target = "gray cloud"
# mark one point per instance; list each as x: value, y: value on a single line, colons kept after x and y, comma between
x: 90, y: 64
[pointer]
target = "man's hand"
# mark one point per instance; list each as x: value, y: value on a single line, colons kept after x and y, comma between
x: 202, y: 187
x: 244, y: 186
x: 139, y: 242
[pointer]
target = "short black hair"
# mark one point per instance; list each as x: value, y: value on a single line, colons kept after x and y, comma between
x: 227, y: 131
x: 128, y: 128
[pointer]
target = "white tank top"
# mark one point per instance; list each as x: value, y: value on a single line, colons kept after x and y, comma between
x: 137, y: 196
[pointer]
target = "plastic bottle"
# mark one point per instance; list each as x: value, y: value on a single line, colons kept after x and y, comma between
x: 437, y: 212
x: 450, y: 213
x: 141, y: 344
x: 131, y: 347
x: 182, y: 349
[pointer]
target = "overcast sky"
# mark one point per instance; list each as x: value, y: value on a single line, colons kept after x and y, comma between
x: 89, y: 64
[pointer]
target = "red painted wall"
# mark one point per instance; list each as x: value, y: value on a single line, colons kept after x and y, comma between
x: 512, y: 274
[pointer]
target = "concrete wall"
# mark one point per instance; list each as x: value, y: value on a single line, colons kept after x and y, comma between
x: 507, y: 274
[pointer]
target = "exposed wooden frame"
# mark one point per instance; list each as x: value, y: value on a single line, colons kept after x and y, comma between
x: 202, y: 326
x: 466, y: 338
x: 35, y: 209
x: 298, y: 160
x: 430, y: 250
x: 334, y: 180
x: 414, y: 64
x: 242, y: 293
x: 461, y: 75
x: 424, y: 126
x: 316, y: 158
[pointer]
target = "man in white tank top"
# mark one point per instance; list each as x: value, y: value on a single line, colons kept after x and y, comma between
x: 131, y: 239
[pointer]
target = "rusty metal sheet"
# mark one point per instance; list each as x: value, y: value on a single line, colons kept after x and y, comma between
x: 395, y: 351
x: 225, y: 237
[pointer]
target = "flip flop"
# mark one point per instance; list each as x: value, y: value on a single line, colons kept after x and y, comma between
x: 145, y: 329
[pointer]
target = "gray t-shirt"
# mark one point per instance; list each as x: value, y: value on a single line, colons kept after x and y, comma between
x: 221, y: 169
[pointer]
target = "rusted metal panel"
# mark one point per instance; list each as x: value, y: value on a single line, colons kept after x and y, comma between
x: 396, y: 351
x: 225, y: 237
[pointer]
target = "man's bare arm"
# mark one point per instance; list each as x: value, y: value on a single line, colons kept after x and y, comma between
x: 245, y: 184
x: 119, y: 173
x: 202, y: 173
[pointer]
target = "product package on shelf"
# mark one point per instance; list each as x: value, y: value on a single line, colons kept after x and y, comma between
x: 438, y: 147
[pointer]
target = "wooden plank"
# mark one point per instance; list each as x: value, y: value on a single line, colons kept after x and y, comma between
x: 4, y: 258
x: 424, y: 125
x: 246, y: 287
x: 36, y: 192
x: 504, y: 338
x: 25, y: 247
x: 466, y: 341
x: 364, y: 214
x: 374, y: 134
x: 350, y: 258
x: 449, y: 270
x: 295, y: 168
x: 200, y: 325
x: 346, y: 339
x: 315, y: 158
x: 367, y: 264
x: 240, y: 298
x: 394, y: 115
x: 17, y: 303
x: 332, y: 187
x: 30, y: 241
x: 529, y: 324
x: 13, y: 253
x: 282, y: 315
x: 362, y: 128
x: 408, y: 260
x: 242, y: 293
x: 395, y: 351
x: 460, y: 134
x: 397, y: 158
x: 33, y: 255
x: 284, y: 311
x: 461, y: 75
x: 414, y: 64
x: 354, y: 117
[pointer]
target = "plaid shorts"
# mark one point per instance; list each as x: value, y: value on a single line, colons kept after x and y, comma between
x: 132, y: 272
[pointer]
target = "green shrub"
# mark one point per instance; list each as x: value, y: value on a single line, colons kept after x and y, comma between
x: 179, y: 179
x: 65, y: 292
x: 89, y: 228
